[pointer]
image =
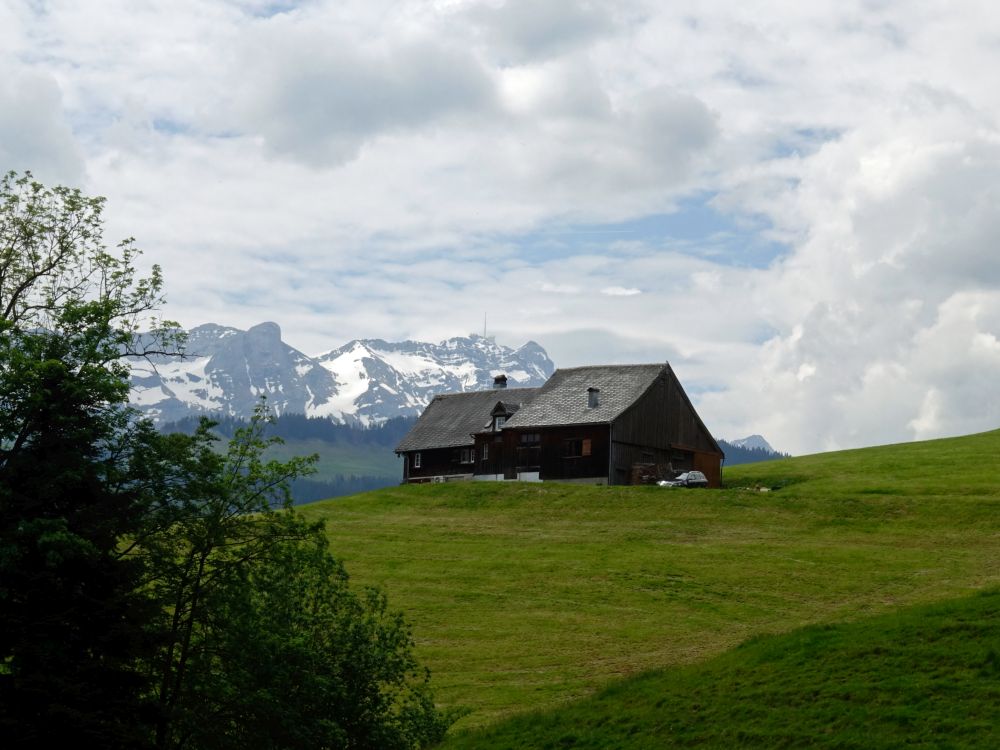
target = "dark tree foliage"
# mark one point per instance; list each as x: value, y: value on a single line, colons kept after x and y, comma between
x: 265, y: 644
x: 72, y: 618
x: 150, y: 593
x: 72, y: 615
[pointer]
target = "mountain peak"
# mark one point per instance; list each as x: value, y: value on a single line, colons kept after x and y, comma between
x: 267, y: 329
x: 753, y: 442
x: 365, y: 380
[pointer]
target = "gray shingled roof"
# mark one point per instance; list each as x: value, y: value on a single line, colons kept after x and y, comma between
x: 450, y: 419
x: 563, y: 398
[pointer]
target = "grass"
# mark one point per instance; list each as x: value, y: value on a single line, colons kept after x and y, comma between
x: 526, y: 596
x: 925, y: 677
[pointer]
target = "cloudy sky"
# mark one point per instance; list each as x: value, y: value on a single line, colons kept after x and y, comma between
x: 796, y: 204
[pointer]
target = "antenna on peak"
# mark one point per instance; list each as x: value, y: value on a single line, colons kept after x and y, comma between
x: 487, y: 338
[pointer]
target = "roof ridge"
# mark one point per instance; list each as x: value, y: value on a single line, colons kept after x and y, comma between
x: 600, y: 367
x: 449, y: 394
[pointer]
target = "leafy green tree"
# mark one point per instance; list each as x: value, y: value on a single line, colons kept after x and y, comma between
x: 267, y: 645
x: 154, y: 590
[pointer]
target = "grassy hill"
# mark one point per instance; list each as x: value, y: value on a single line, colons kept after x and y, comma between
x: 925, y: 677
x: 527, y: 597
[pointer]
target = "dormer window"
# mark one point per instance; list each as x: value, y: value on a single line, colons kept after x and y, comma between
x: 499, y: 422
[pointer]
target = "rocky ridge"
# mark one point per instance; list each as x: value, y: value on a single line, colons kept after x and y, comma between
x: 366, y: 381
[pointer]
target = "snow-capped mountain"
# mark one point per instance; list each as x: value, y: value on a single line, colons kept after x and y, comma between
x: 378, y: 379
x: 226, y: 370
x: 753, y: 442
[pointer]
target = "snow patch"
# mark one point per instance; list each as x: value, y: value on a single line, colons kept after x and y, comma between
x: 184, y: 379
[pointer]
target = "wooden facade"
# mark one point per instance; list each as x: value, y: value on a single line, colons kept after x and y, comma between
x: 438, y: 462
x: 576, y: 452
x: 440, y: 446
x: 605, y: 425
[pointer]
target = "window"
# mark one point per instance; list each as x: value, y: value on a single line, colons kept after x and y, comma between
x: 416, y: 460
x: 486, y: 451
x: 468, y: 455
x: 573, y: 448
x: 530, y: 438
x: 585, y: 448
x: 500, y: 422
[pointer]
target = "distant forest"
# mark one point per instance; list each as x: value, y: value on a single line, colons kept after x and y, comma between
x: 300, y: 427
x: 294, y: 427
x: 737, y: 455
x: 311, y: 490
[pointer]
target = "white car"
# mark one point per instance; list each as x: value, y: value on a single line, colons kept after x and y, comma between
x: 687, y: 479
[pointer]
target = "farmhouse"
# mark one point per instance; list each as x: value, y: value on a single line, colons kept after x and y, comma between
x: 440, y: 447
x: 609, y: 424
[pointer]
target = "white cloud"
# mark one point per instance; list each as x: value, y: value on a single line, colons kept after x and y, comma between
x: 559, y: 288
x: 319, y: 96
x: 620, y: 291
x: 520, y: 31
x: 888, y: 306
x: 34, y: 133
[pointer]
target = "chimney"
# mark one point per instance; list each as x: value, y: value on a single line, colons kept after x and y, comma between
x: 500, y: 381
x: 592, y: 400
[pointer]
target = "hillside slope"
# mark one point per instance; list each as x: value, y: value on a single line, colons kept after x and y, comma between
x: 526, y: 596
x: 925, y: 677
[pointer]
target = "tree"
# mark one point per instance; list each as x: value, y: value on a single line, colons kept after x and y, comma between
x: 266, y: 644
x: 72, y: 616
x: 151, y: 592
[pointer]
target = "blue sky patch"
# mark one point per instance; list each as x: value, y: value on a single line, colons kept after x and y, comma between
x: 169, y: 126
x: 696, y: 228
x: 803, y: 141
x: 271, y: 9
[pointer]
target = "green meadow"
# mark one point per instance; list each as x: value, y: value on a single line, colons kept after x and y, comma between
x: 532, y: 597
x: 927, y: 676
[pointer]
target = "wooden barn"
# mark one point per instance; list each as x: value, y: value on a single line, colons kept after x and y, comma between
x: 609, y: 424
